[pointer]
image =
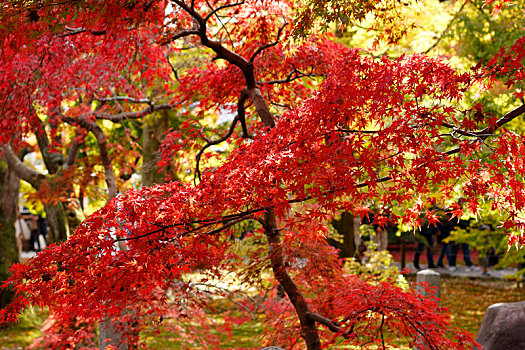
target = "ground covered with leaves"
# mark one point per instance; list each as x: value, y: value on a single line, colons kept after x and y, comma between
x: 467, y: 300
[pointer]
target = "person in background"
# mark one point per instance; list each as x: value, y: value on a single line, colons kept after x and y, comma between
x: 444, y: 228
x: 454, y: 247
x: 426, y: 240
x: 32, y: 221
x: 23, y: 233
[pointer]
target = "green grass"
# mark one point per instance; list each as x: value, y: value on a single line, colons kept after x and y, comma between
x: 243, y: 336
x: 24, y: 332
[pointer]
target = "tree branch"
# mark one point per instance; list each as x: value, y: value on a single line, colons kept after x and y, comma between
x: 214, y: 11
x: 212, y: 143
x: 102, y: 143
x: 20, y: 169
x: 294, y: 75
x: 52, y: 161
x: 237, y: 60
x: 74, y: 31
x: 241, y: 116
x: 490, y: 130
x: 446, y: 29
x: 241, y: 113
x: 183, y: 33
x: 72, y: 153
x: 175, y: 73
x: 124, y: 98
x: 264, y: 47
x: 331, y: 325
x: 308, y: 326
x: 132, y: 115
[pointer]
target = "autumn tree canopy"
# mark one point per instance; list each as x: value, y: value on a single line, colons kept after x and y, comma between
x: 316, y: 128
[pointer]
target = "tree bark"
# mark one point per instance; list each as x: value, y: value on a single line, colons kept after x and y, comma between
x: 56, y: 216
x: 155, y: 126
x: 308, y: 326
x: 9, y: 189
x: 345, y: 227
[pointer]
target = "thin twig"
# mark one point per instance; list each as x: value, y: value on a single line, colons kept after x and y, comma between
x: 264, y: 47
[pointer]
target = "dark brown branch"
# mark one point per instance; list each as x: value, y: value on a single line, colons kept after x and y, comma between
x: 293, y: 75
x: 264, y: 47
x: 174, y: 71
x: 233, y: 58
x: 352, y: 131
x: 308, y: 326
x: 80, y: 30
x: 212, y: 143
x: 241, y: 113
x: 241, y: 116
x: 490, y: 130
x: 214, y: 11
x: 184, y: 33
x: 331, y: 325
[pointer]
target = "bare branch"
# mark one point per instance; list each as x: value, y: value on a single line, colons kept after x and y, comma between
x: 241, y: 112
x: 214, y: 11
x: 123, y: 98
x: 74, y: 31
x: 264, y: 47
x: 331, y: 325
x: 294, y: 75
x: 133, y: 115
x: 353, y: 131
x: 212, y: 143
x: 184, y: 33
x: 175, y: 73
x: 241, y: 116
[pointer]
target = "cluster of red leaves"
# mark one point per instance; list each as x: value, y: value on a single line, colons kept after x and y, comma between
x: 507, y: 65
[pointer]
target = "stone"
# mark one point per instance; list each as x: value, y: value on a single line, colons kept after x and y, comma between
x: 502, y: 327
x: 432, y: 279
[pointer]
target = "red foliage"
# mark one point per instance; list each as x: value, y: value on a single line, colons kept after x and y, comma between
x: 378, y: 130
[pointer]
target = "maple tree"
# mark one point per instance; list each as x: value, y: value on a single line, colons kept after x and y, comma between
x: 323, y: 129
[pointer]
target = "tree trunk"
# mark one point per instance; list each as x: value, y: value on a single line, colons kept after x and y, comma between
x: 56, y: 216
x: 308, y: 326
x: 345, y: 227
x: 9, y: 189
x: 155, y: 125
